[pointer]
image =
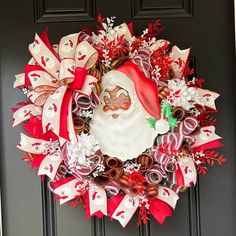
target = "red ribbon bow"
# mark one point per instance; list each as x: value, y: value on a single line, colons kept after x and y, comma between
x: 54, y: 76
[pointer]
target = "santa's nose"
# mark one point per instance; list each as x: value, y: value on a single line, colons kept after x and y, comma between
x: 113, y: 107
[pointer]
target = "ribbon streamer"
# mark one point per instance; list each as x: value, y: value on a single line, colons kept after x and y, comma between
x: 50, y: 164
x: 180, y: 59
x: 208, y: 98
x: 188, y: 172
x: 112, y: 171
x: 159, y: 209
x: 151, y: 192
x: 126, y: 209
x: 31, y: 145
x: 48, y: 161
x: 97, y: 200
x: 112, y: 188
x: 22, y: 114
x: 85, y: 102
x: 67, y: 189
x: 145, y: 161
x: 178, y: 113
x: 168, y: 196
x: 155, y: 175
x: 205, y: 136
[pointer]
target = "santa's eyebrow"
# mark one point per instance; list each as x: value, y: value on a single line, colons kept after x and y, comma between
x: 121, y: 91
x: 106, y: 94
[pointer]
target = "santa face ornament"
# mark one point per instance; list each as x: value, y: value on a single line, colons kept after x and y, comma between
x: 119, y: 123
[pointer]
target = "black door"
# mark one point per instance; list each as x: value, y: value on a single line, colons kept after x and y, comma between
x: 27, y: 206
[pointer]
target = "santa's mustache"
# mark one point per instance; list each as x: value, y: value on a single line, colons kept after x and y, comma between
x: 118, y: 112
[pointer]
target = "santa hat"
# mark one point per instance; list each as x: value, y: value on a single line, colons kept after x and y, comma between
x: 146, y: 89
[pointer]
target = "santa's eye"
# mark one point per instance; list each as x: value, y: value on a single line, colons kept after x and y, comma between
x: 107, y: 101
x: 105, y: 96
x: 122, y: 91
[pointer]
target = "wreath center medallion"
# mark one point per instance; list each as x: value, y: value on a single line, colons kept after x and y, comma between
x: 119, y: 122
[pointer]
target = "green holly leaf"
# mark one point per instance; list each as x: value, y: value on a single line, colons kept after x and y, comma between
x: 166, y: 109
x: 172, y: 122
x: 151, y: 122
x: 167, y: 112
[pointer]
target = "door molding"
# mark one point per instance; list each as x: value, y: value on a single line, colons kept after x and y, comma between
x: 235, y: 26
x: 0, y: 213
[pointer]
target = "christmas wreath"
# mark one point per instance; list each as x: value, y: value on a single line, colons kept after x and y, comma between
x: 116, y: 122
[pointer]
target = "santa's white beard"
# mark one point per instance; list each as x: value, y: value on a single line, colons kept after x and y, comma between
x: 126, y: 137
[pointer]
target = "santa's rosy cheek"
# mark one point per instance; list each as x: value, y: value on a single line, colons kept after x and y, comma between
x: 106, y: 108
x: 125, y: 105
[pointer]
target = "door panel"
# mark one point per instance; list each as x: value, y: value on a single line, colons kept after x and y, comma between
x: 28, y: 206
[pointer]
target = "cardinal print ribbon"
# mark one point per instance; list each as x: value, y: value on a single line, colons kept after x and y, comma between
x: 31, y: 145
x: 186, y: 174
x: 205, y: 135
x: 22, y: 114
x: 97, y: 200
x: 50, y: 164
x: 179, y: 60
x: 47, y: 154
x: 159, y: 207
x: 126, y: 209
x: 168, y: 196
x: 206, y: 138
x: 207, y: 98
x: 67, y: 189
